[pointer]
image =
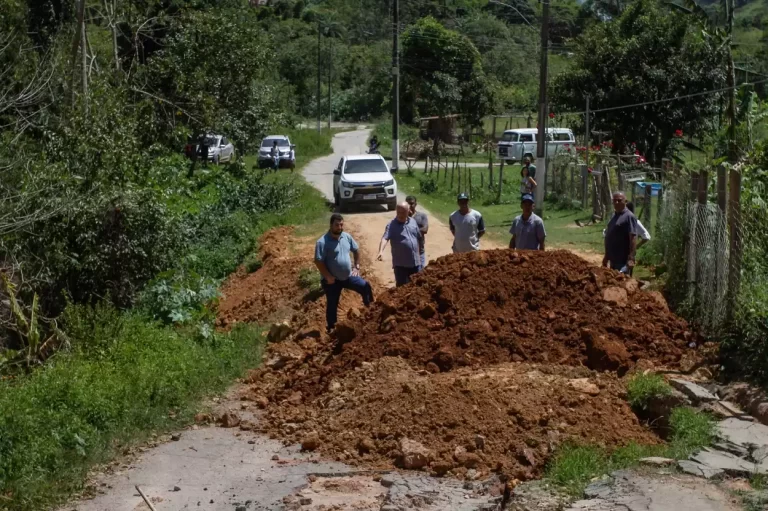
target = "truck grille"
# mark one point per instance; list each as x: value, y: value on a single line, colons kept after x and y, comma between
x: 369, y: 191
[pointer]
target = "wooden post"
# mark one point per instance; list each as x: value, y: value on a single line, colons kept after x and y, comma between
x: 572, y: 188
x: 584, y: 185
x: 490, y: 163
x: 734, y: 226
x: 632, y: 193
x: 469, y: 175
x: 453, y: 170
x: 501, y: 181
x: 694, y: 186
x: 659, y: 207
x: 426, y: 162
x: 703, y: 185
x: 647, y: 206
x: 482, y: 181
x: 721, y: 186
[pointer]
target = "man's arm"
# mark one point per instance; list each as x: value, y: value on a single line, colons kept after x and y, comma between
x: 632, y: 250
x: 324, y: 272
x: 355, y: 249
x: 480, y: 227
x: 383, y: 243
x: 425, y: 228
x: 541, y: 234
x: 451, y: 227
x: 512, y: 242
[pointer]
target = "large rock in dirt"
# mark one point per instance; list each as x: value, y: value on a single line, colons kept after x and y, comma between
x: 615, y: 294
x: 694, y: 391
x: 279, y: 331
x: 604, y: 354
x: 310, y: 442
x: 584, y: 386
x: 229, y: 420
x: 415, y: 455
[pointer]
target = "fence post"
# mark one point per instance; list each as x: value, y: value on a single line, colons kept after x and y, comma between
x: 703, y: 185
x: 584, y: 185
x: 501, y: 181
x: 426, y: 163
x: 572, y: 188
x: 493, y: 137
x: 721, y: 187
x: 647, y: 206
x: 469, y: 172
x: 694, y: 186
x: 453, y: 170
x: 659, y: 207
x: 734, y: 225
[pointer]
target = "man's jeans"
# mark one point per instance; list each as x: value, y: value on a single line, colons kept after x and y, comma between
x: 403, y: 274
x: 333, y: 294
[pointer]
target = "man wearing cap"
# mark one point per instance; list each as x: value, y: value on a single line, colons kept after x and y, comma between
x: 527, y: 228
x: 466, y: 225
x: 407, y: 242
x: 423, y: 222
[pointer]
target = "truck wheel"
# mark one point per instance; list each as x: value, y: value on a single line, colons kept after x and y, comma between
x: 336, y: 199
x: 391, y: 205
x: 343, y: 206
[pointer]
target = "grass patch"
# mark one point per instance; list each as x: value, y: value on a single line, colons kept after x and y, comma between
x: 127, y: 376
x: 690, y: 432
x: 309, y: 279
x: 575, y: 466
x: 641, y: 388
x: 253, y: 263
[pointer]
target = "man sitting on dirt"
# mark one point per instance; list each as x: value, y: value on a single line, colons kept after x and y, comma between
x: 333, y: 261
x: 620, y: 237
x: 407, y: 243
x: 528, y: 228
x: 423, y: 222
x: 466, y: 225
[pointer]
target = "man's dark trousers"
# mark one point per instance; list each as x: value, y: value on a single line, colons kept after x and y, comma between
x: 333, y: 294
x: 403, y: 274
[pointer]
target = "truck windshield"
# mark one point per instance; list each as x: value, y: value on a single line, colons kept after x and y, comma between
x: 365, y: 166
x: 509, y: 137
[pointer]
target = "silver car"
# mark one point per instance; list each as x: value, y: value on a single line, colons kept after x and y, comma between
x: 220, y: 149
x: 286, y: 152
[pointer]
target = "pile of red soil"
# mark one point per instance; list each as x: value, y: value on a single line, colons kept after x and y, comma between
x: 490, y: 307
x: 504, y: 418
x: 485, y: 362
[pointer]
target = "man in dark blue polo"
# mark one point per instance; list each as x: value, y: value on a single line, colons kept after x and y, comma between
x: 407, y: 241
x: 333, y: 261
x: 620, y: 237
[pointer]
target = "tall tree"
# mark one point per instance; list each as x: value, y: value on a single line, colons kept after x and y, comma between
x: 644, y: 56
x: 442, y: 74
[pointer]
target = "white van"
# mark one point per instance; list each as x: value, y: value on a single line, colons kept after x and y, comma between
x: 517, y: 144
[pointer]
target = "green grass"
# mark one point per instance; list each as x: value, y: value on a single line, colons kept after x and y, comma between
x: 574, y: 466
x: 641, y: 388
x: 690, y: 432
x: 562, y: 231
x: 309, y: 279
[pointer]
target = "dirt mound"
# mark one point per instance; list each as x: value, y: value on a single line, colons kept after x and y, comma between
x: 491, y: 307
x: 504, y: 418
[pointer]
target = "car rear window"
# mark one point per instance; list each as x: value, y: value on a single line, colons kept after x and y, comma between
x: 365, y: 166
x: 281, y: 142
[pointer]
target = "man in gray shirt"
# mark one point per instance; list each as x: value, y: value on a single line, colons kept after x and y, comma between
x: 407, y: 242
x: 466, y: 225
x: 528, y: 228
x: 423, y: 222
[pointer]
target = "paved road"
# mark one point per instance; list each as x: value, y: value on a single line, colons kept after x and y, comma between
x: 368, y: 222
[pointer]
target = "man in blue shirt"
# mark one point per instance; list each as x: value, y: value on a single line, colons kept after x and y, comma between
x: 528, y: 228
x: 333, y: 261
x: 407, y: 242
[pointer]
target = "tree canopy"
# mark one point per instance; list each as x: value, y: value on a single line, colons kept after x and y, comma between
x: 645, y: 55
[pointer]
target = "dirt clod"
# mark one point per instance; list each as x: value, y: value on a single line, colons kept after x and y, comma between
x: 229, y: 420
x: 310, y: 442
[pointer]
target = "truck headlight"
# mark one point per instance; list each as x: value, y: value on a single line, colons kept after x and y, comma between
x: 390, y: 182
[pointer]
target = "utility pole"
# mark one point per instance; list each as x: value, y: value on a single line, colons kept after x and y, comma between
x: 395, y: 85
x: 330, y: 70
x: 318, y: 77
x: 541, y: 139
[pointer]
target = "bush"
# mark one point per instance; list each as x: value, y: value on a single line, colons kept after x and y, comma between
x: 641, y: 388
x: 309, y: 279
x: 428, y: 185
x: 105, y: 244
x: 85, y: 406
x: 253, y: 263
x: 690, y: 431
x: 179, y: 297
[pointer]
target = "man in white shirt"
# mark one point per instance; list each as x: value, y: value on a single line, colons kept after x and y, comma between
x: 466, y: 225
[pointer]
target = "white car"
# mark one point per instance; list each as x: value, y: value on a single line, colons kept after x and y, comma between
x: 364, y: 179
x: 286, y: 149
x: 220, y: 149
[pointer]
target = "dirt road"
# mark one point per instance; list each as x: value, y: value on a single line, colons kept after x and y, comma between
x: 368, y: 222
